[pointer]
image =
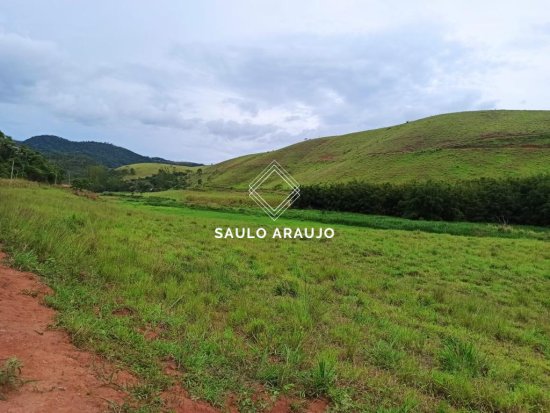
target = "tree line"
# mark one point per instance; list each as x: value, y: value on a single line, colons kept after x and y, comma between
x: 19, y: 161
x: 506, y: 200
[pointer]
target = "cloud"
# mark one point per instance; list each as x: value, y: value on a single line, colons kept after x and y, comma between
x: 346, y: 82
x: 261, y: 97
x: 24, y: 65
x: 243, y: 96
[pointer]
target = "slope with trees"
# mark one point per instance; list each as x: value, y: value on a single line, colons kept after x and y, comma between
x: 18, y: 161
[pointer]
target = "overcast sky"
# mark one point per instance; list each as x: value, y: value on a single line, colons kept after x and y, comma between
x: 209, y: 80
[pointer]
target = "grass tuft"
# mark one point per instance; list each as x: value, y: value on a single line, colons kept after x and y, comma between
x: 460, y: 356
x: 10, y: 375
x: 25, y: 260
x: 323, y: 377
x: 386, y: 354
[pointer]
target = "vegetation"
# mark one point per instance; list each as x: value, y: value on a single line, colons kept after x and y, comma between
x: 456, y: 146
x: 390, y: 315
x: 75, y: 165
x: 144, y: 170
x: 10, y: 373
x: 22, y: 162
x: 228, y: 203
x: 101, y: 179
x: 89, y: 153
x: 373, y: 319
x: 510, y: 200
x: 217, y: 198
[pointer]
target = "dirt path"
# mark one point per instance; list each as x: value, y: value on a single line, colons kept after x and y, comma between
x: 57, y: 376
x: 60, y: 378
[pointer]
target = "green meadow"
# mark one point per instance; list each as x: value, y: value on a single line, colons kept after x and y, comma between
x: 387, y: 316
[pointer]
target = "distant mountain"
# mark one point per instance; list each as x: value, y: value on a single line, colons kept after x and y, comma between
x: 76, y: 157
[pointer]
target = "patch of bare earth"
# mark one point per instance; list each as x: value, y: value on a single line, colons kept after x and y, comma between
x: 58, y: 377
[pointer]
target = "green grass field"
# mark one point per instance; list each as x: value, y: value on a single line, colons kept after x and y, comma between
x: 143, y: 170
x: 449, y: 147
x: 217, y: 198
x: 238, y: 202
x: 437, y: 317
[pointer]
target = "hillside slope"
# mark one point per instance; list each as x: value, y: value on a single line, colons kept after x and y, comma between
x: 21, y: 162
x: 76, y: 156
x: 453, y: 146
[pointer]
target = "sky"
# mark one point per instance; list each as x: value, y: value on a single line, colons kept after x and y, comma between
x: 209, y: 80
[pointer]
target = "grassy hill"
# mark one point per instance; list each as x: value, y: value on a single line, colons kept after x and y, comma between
x: 76, y: 157
x: 453, y: 146
x: 142, y: 170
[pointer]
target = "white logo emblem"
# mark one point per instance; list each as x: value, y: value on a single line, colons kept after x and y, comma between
x: 274, y: 168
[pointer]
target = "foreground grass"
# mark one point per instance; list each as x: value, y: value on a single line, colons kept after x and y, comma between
x: 375, y: 320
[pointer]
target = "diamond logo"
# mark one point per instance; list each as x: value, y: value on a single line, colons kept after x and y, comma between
x: 274, y: 169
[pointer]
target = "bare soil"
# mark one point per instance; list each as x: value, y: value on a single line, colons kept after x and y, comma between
x: 57, y: 376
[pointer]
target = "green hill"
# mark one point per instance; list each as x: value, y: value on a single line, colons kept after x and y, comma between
x: 453, y: 146
x: 76, y: 157
x: 142, y: 170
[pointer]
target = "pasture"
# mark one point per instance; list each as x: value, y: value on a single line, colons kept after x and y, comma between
x: 387, y: 316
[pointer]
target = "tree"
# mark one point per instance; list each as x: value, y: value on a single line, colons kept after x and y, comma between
x: 25, y: 163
